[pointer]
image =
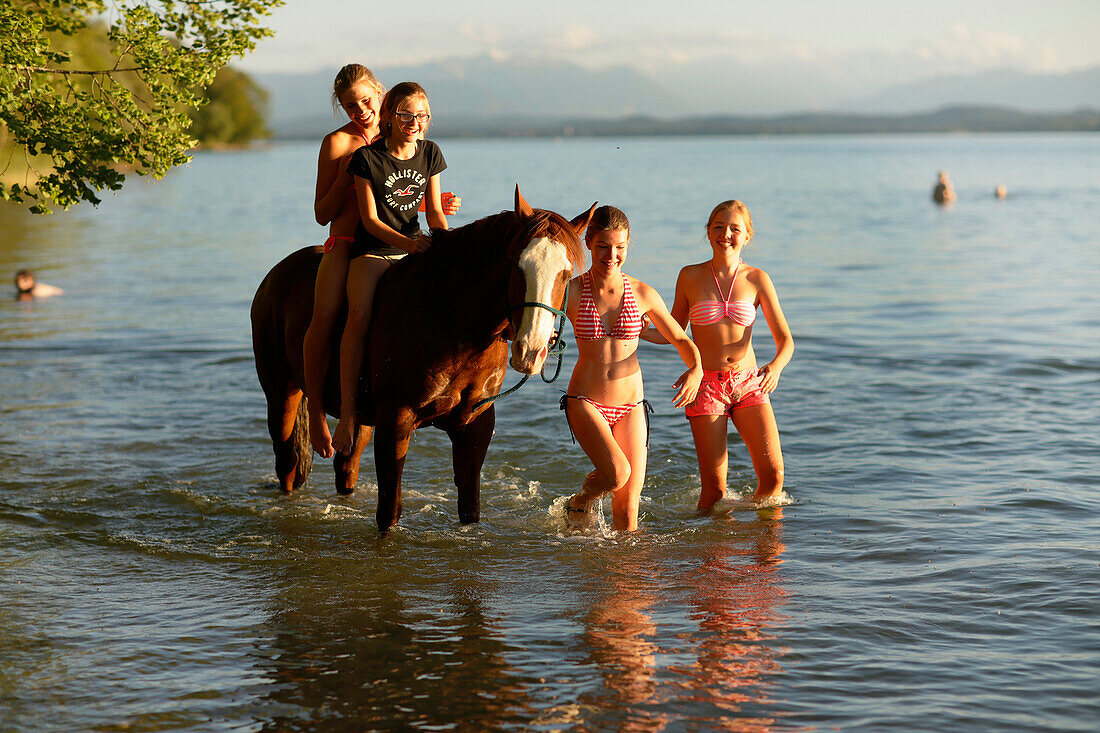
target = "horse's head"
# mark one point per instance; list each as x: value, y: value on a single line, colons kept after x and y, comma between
x: 550, y: 251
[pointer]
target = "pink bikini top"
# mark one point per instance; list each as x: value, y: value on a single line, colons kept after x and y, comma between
x: 589, y: 327
x: 708, y: 312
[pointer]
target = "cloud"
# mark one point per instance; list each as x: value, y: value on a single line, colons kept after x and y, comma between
x: 969, y: 49
x: 480, y: 33
x: 574, y: 37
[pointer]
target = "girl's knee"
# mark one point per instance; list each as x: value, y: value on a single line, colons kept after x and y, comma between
x: 620, y: 473
x: 358, y: 318
x: 324, y: 316
x: 615, y: 474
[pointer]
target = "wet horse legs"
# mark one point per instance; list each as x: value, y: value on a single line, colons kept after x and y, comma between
x: 392, y: 431
x: 469, y: 444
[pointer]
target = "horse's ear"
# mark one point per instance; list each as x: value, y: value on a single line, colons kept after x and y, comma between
x: 580, y: 223
x: 522, y: 207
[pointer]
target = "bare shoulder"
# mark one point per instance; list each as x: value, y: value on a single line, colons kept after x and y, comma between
x: 575, y: 286
x: 696, y: 270
x: 692, y: 278
x: 755, y: 275
x: 644, y: 293
x: 697, y: 273
x: 340, y: 142
x: 639, y: 287
x: 760, y: 279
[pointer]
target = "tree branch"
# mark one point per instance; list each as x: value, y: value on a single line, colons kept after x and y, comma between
x: 69, y: 72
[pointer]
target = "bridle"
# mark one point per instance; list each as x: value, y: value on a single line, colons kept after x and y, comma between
x: 554, y: 347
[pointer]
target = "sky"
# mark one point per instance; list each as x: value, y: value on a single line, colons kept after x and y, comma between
x: 908, y: 39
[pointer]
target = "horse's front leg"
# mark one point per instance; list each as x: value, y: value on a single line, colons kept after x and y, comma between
x: 346, y: 465
x: 392, y: 431
x: 469, y: 444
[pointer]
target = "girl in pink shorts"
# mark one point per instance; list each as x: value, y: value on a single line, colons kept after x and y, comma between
x: 719, y: 298
x: 720, y: 393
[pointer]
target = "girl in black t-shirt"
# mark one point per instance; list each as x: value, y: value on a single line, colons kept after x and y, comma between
x: 359, y: 94
x: 392, y: 176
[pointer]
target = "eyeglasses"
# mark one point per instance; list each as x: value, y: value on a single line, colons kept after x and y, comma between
x: 407, y: 117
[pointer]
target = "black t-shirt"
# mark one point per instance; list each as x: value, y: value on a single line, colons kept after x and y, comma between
x: 399, y: 186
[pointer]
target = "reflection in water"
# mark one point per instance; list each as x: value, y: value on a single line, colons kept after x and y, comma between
x: 715, y: 674
x: 735, y: 594
x: 385, y: 649
x: 620, y: 636
x: 672, y: 635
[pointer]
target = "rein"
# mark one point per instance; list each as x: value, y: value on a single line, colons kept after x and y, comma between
x: 555, y: 347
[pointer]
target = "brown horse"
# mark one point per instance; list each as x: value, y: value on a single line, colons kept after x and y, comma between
x: 437, y: 346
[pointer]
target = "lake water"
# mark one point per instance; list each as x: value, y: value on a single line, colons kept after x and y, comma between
x: 938, y: 569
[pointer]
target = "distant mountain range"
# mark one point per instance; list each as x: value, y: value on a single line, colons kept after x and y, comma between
x: 1015, y: 89
x: 489, y: 96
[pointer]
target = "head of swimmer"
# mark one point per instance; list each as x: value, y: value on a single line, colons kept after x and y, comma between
x: 607, y: 238
x: 359, y: 94
x: 24, y: 281
x: 729, y: 227
x: 405, y: 112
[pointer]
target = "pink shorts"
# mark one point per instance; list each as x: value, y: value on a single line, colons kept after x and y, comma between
x: 720, y: 393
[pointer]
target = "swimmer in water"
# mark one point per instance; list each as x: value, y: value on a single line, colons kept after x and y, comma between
x: 944, y: 192
x: 27, y: 287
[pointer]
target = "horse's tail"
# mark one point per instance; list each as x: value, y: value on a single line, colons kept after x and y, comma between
x: 300, y: 440
x: 273, y: 340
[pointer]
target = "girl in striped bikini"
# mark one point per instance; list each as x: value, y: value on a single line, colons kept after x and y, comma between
x: 719, y: 297
x: 604, y: 406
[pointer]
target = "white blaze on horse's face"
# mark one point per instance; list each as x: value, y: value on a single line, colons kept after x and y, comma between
x: 542, y: 262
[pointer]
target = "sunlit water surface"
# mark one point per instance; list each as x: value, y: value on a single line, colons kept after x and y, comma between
x: 937, y: 569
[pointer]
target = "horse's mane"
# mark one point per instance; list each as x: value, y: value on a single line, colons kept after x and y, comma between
x: 555, y: 226
x: 491, y: 242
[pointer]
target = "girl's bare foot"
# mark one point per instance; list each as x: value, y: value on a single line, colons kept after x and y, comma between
x: 343, y: 439
x: 707, y: 502
x: 319, y: 436
x: 578, y: 512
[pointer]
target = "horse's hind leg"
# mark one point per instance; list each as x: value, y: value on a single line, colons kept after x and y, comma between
x: 469, y: 444
x: 347, y: 465
x: 289, y: 430
x: 392, y: 432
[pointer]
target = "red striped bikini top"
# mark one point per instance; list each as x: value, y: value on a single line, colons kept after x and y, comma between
x: 707, y: 312
x: 589, y: 327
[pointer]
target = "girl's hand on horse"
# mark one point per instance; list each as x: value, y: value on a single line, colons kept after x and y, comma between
x: 419, y: 243
x: 687, y: 387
